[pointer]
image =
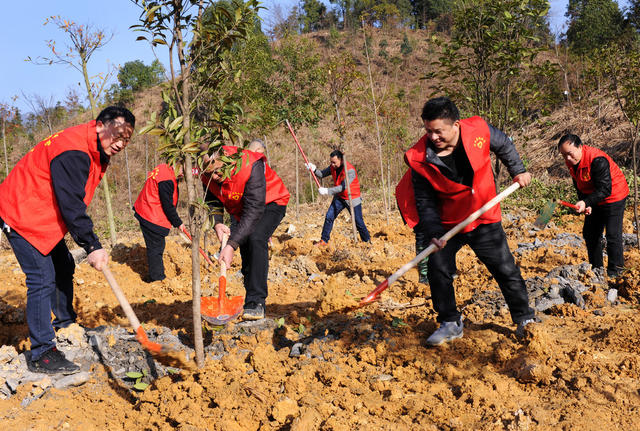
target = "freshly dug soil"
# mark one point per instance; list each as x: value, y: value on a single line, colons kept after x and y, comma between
x: 319, y: 363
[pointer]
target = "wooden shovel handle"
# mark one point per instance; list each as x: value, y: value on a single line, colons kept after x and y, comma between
x: 126, y: 307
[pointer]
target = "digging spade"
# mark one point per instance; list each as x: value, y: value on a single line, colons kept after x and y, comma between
x: 432, y: 248
x: 141, y: 336
x: 547, y: 212
x: 220, y: 310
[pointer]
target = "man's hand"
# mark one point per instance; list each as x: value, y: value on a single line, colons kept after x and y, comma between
x: 310, y: 166
x: 524, y: 179
x: 221, y: 231
x: 181, y: 228
x: 438, y: 243
x: 226, y: 255
x: 323, y: 191
x: 581, y: 207
x: 99, y: 259
x: 587, y: 210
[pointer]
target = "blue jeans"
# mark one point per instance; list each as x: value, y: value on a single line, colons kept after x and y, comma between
x: 49, y: 288
x: 336, y: 206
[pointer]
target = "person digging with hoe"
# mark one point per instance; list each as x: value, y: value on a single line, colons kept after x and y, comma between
x: 340, y: 195
x: 452, y: 178
x: 256, y: 198
x: 156, y: 212
x: 45, y: 196
x: 602, y: 193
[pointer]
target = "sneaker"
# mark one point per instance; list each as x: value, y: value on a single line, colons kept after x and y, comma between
x: 446, y: 332
x: 521, y: 326
x: 253, y: 311
x: 321, y: 243
x: 52, y: 361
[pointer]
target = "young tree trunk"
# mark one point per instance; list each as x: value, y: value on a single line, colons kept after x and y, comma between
x: 634, y: 147
x: 375, y: 114
x: 4, y: 144
x: 297, y: 186
x: 126, y: 160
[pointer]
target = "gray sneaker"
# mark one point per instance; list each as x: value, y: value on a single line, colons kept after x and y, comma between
x: 253, y: 311
x: 446, y: 332
x: 521, y: 326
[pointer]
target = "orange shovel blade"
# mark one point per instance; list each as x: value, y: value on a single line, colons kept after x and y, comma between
x: 221, y: 310
x: 142, y: 338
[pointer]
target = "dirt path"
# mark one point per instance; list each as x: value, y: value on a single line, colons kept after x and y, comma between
x: 331, y: 369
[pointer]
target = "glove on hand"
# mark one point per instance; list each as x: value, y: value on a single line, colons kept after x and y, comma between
x: 310, y: 166
x: 323, y: 191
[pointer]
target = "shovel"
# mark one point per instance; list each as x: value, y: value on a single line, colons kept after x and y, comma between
x: 375, y: 293
x: 547, y: 212
x: 141, y: 336
x: 206, y: 257
x: 220, y: 310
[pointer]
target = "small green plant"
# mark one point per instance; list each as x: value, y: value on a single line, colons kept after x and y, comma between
x: 139, y: 385
x: 172, y: 370
x: 405, y: 46
x: 300, y: 329
x: 397, y: 322
x: 348, y: 292
x: 360, y: 314
x: 280, y: 322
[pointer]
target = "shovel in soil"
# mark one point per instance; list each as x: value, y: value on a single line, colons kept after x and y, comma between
x: 547, y: 212
x: 375, y: 293
x: 220, y: 310
x: 141, y: 336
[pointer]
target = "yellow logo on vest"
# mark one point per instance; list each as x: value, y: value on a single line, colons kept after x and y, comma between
x: 585, y: 175
x: 235, y: 196
x: 154, y: 173
x: 479, y: 142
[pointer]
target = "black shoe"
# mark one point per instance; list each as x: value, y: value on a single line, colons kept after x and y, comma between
x: 52, y: 361
x: 253, y: 311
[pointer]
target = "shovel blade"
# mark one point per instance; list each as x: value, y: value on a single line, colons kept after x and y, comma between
x: 219, y: 312
x: 545, y: 214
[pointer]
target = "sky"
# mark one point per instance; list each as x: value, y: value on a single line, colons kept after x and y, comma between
x: 24, y: 35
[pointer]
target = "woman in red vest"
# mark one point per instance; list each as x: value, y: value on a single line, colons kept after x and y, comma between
x: 602, y: 193
x: 451, y: 177
x: 45, y: 196
x: 340, y: 195
x: 156, y: 211
x: 256, y: 199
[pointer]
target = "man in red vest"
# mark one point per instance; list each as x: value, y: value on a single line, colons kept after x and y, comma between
x: 45, y: 196
x: 451, y: 177
x: 340, y: 195
x: 256, y: 199
x: 156, y: 211
x: 602, y: 193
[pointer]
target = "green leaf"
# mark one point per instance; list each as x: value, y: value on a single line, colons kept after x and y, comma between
x: 175, y: 123
x: 134, y: 374
x: 397, y: 322
x: 140, y: 386
x: 280, y: 322
x: 301, y: 328
x: 150, y: 301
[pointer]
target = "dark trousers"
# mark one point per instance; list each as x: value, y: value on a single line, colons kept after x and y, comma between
x: 255, y: 254
x: 609, y: 217
x: 489, y: 243
x: 337, y: 205
x: 49, y: 288
x: 155, y: 243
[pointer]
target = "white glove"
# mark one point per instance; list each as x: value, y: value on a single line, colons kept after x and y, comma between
x: 310, y: 166
x: 323, y: 191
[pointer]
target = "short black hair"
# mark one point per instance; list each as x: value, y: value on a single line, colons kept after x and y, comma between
x: 338, y: 154
x: 572, y: 139
x: 440, y: 108
x: 110, y: 113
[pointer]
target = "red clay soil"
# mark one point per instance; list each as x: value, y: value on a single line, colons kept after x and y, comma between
x: 367, y: 369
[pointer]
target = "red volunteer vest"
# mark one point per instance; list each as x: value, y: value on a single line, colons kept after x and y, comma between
x: 148, y: 205
x: 354, y: 185
x: 456, y: 201
x: 582, y: 174
x: 28, y: 204
x: 230, y: 192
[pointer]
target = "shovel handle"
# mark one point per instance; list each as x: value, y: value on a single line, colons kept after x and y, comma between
x: 446, y: 237
x: 223, y: 266
x: 302, y: 152
x: 126, y: 307
x: 567, y: 204
x: 184, y: 231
